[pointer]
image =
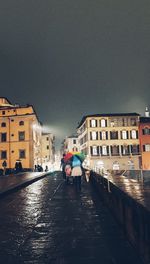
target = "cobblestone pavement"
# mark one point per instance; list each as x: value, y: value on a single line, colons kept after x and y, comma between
x: 50, y: 222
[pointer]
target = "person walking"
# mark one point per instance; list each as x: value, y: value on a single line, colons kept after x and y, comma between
x: 62, y: 166
x: 76, y: 172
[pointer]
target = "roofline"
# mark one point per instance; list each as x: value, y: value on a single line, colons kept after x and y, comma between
x: 106, y: 115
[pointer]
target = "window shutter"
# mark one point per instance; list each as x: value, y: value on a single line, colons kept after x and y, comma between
x: 107, y: 150
x: 100, y: 135
x: 121, y: 149
x: 91, y: 149
x: 127, y: 134
x: 143, y: 147
x: 106, y: 123
x: 90, y: 135
x: 98, y: 150
x: 136, y: 133
x: 96, y: 135
x: 90, y: 123
x: 121, y: 135
x: 101, y: 150
x: 106, y: 135
x: 96, y: 123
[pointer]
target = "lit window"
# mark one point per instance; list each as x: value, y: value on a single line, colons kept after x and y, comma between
x: 124, y: 134
x: 147, y: 147
x: 95, y: 150
x: 133, y: 134
x: 93, y: 135
x: 93, y: 123
x: 125, y: 150
x: 103, y: 135
x: 103, y: 123
x: 104, y: 150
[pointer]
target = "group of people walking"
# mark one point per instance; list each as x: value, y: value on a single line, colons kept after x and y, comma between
x: 72, y: 168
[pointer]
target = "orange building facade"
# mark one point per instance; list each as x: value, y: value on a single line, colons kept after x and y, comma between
x: 144, y: 136
x: 20, y: 135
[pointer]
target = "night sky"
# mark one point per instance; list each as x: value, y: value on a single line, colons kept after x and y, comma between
x: 70, y: 58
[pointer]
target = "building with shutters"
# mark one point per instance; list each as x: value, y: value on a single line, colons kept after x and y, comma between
x: 20, y: 135
x: 111, y: 140
x: 70, y: 144
x: 144, y: 136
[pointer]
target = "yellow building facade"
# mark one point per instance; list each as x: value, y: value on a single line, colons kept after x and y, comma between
x: 110, y: 141
x: 20, y: 135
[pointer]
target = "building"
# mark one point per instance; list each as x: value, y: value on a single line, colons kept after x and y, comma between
x: 70, y: 144
x: 48, y: 149
x: 144, y: 135
x: 20, y: 135
x: 110, y: 141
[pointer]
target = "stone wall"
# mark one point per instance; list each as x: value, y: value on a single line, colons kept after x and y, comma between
x: 131, y: 215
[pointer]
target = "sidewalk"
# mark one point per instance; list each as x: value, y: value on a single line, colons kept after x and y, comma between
x: 13, y: 182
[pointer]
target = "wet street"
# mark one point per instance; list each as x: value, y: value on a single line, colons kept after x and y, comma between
x: 50, y: 222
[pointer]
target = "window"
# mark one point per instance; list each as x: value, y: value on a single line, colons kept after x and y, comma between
x: 21, y: 123
x: 134, y: 134
x: 22, y: 154
x: 125, y: 150
x: 114, y: 135
x: 104, y: 150
x: 3, y: 112
x: 3, y: 137
x: 146, y: 147
x: 47, y: 147
x: 74, y: 141
x: 124, y: 134
x: 3, y: 154
x: 135, y: 149
x: 103, y: 123
x: 146, y: 131
x: 93, y: 123
x: 93, y: 135
x: 21, y: 135
x: 133, y: 121
x: 103, y: 135
x: 94, y: 150
x: 3, y: 124
x: 47, y: 138
x: 115, y: 150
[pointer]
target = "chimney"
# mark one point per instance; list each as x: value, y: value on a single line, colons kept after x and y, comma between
x: 146, y: 112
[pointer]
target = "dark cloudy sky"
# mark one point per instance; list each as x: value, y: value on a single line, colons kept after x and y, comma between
x: 71, y: 58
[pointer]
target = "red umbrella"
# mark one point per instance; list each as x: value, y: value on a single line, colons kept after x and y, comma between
x: 68, y: 156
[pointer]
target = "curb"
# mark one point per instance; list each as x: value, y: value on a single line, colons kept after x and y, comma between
x: 23, y: 184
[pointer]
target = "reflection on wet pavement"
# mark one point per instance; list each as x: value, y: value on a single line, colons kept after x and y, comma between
x: 50, y: 222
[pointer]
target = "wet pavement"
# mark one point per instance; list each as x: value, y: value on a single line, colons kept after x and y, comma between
x: 9, y: 183
x: 50, y: 222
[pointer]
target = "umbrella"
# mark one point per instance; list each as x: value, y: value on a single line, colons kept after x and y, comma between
x: 80, y: 156
x: 68, y: 156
